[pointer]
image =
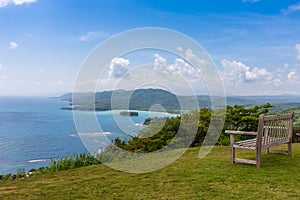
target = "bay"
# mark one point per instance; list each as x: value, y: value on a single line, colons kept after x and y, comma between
x: 34, y: 129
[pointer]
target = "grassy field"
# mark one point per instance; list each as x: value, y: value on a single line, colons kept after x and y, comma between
x: 187, y: 178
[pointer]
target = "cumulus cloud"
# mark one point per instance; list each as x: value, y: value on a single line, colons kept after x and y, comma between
x: 93, y: 35
x: 291, y: 75
x: 13, y: 45
x: 179, y: 67
x: 190, y: 56
x: 234, y: 71
x: 297, y: 47
x: 292, y: 8
x: 159, y: 62
x: 4, y: 3
x: 118, y: 67
x: 183, y: 68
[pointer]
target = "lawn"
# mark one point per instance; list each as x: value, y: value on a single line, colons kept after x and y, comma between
x: 212, y: 177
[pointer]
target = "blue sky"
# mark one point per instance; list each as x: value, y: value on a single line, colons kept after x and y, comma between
x: 254, y: 43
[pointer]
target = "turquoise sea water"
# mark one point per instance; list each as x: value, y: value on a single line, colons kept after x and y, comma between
x: 33, y: 130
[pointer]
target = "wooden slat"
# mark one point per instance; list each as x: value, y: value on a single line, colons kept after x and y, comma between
x: 244, y: 147
x: 240, y: 132
x: 240, y: 160
x: 278, y: 117
x: 275, y: 143
x: 276, y: 127
x: 250, y: 141
x: 278, y: 151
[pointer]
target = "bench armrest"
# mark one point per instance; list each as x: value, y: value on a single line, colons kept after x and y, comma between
x: 240, y: 132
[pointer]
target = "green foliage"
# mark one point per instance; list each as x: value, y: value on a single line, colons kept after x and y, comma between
x: 242, y: 119
x: 140, y: 99
x: 147, y: 121
x: 296, y: 110
x: 171, y: 132
x: 20, y: 171
x: 19, y: 174
x: 71, y: 162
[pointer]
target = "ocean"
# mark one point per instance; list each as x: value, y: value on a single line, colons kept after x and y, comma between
x: 34, y: 130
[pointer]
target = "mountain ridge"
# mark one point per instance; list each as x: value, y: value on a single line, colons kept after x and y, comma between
x: 144, y: 99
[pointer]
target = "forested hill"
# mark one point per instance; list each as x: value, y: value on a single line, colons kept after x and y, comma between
x: 140, y: 99
x: 143, y: 99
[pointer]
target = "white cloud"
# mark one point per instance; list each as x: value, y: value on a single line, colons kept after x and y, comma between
x: 93, y: 35
x: 184, y: 69
x: 13, y: 45
x: 4, y: 3
x: 193, y: 58
x: 286, y: 65
x: 298, y: 51
x: 118, y: 67
x: 179, y: 67
x: 234, y: 72
x: 159, y: 62
x: 292, y: 8
x: 291, y: 75
x: 277, y: 82
x: 1, y: 67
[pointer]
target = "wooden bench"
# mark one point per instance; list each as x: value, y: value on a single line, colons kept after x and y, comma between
x: 272, y: 131
x: 296, y: 131
x: 298, y: 137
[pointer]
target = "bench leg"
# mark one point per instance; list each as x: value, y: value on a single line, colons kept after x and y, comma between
x: 290, y: 149
x: 258, y: 158
x: 232, y: 155
x: 232, y: 149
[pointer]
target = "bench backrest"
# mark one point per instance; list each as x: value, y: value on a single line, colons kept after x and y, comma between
x: 275, y: 129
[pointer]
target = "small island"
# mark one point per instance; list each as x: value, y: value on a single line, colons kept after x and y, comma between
x: 129, y: 113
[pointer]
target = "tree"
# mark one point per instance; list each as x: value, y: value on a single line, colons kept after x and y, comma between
x: 162, y: 131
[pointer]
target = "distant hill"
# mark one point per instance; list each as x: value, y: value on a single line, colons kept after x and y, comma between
x: 143, y: 99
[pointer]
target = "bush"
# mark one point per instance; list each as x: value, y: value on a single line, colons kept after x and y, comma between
x: 71, y: 162
x: 161, y: 132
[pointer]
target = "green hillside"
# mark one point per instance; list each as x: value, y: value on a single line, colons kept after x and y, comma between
x: 212, y: 177
x: 296, y: 110
x: 143, y: 99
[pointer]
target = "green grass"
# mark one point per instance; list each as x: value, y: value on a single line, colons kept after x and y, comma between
x: 187, y: 178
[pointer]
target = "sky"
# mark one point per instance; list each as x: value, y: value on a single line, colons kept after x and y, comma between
x: 255, y: 44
